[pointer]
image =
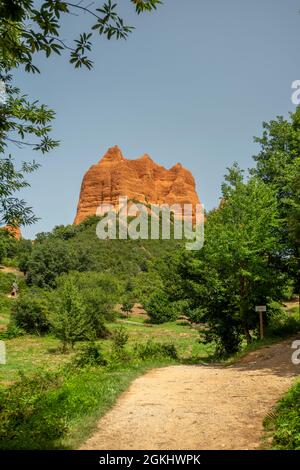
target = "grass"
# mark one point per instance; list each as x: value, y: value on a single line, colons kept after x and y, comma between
x: 283, y: 423
x: 62, y: 411
x: 94, y: 392
x: 184, y: 336
x: 74, y: 401
x: 27, y: 354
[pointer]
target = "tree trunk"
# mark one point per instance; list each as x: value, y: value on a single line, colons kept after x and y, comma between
x: 247, y: 334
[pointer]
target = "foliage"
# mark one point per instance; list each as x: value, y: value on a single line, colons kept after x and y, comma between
x: 27, y: 419
x: 99, y: 292
x: 12, y: 331
x: 28, y: 28
x: 237, y: 267
x: 7, y: 245
x: 19, y: 120
x: 69, y: 319
x: 145, y: 283
x: 30, y: 313
x: 127, y: 306
x: 160, y: 309
x: 57, y: 252
x: 120, y: 339
x: 52, y: 258
x: 282, y: 324
x: 284, y: 421
x: 153, y: 349
x: 278, y: 165
x: 90, y: 355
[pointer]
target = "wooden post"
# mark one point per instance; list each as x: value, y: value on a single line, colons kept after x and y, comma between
x: 261, y: 324
x: 260, y: 309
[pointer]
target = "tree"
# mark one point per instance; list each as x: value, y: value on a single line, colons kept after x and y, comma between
x: 277, y: 164
x: 127, y: 306
x: 30, y: 312
x: 160, y: 309
x: 52, y: 258
x: 70, y: 321
x: 8, y: 245
x: 100, y: 292
x: 237, y: 267
x: 25, y: 30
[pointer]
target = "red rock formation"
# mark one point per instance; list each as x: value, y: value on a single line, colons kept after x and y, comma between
x: 14, y: 231
x: 141, y: 180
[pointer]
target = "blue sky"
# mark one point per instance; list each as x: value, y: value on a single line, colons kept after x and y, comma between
x: 192, y: 84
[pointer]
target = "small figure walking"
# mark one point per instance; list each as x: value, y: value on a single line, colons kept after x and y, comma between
x: 14, y: 289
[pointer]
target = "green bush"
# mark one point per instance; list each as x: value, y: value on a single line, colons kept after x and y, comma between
x: 69, y: 319
x: 8, y: 245
x: 90, y: 355
x: 153, y: 349
x: 284, y: 421
x: 160, y: 309
x: 6, y: 280
x: 226, y: 334
x: 120, y: 339
x: 27, y: 418
x: 12, y: 331
x: 283, y: 324
x: 100, y: 292
x: 127, y: 307
x: 30, y: 313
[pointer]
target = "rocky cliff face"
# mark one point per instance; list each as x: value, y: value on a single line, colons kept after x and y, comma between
x: 141, y: 180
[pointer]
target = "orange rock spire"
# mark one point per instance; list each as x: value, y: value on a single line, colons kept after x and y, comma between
x: 141, y: 180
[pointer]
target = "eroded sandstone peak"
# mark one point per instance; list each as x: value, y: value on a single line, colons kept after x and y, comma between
x: 142, y: 180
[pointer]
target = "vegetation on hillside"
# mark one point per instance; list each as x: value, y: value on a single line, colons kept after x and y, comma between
x: 75, y: 313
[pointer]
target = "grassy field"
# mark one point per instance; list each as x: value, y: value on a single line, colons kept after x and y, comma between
x: 77, y: 397
x: 29, y: 353
x: 48, y: 403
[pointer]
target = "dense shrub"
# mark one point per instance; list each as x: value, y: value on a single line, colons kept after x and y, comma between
x: 90, y: 355
x: 99, y: 292
x: 160, y: 309
x: 283, y: 324
x: 12, y: 331
x: 6, y: 280
x: 27, y: 418
x: 120, y: 339
x: 8, y: 245
x: 30, y: 312
x: 52, y: 258
x: 226, y: 335
x: 284, y: 421
x: 153, y: 349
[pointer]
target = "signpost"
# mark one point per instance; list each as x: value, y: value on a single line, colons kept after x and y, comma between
x: 260, y: 309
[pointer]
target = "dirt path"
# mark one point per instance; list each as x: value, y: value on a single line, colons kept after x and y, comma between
x: 11, y: 270
x: 198, y: 407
